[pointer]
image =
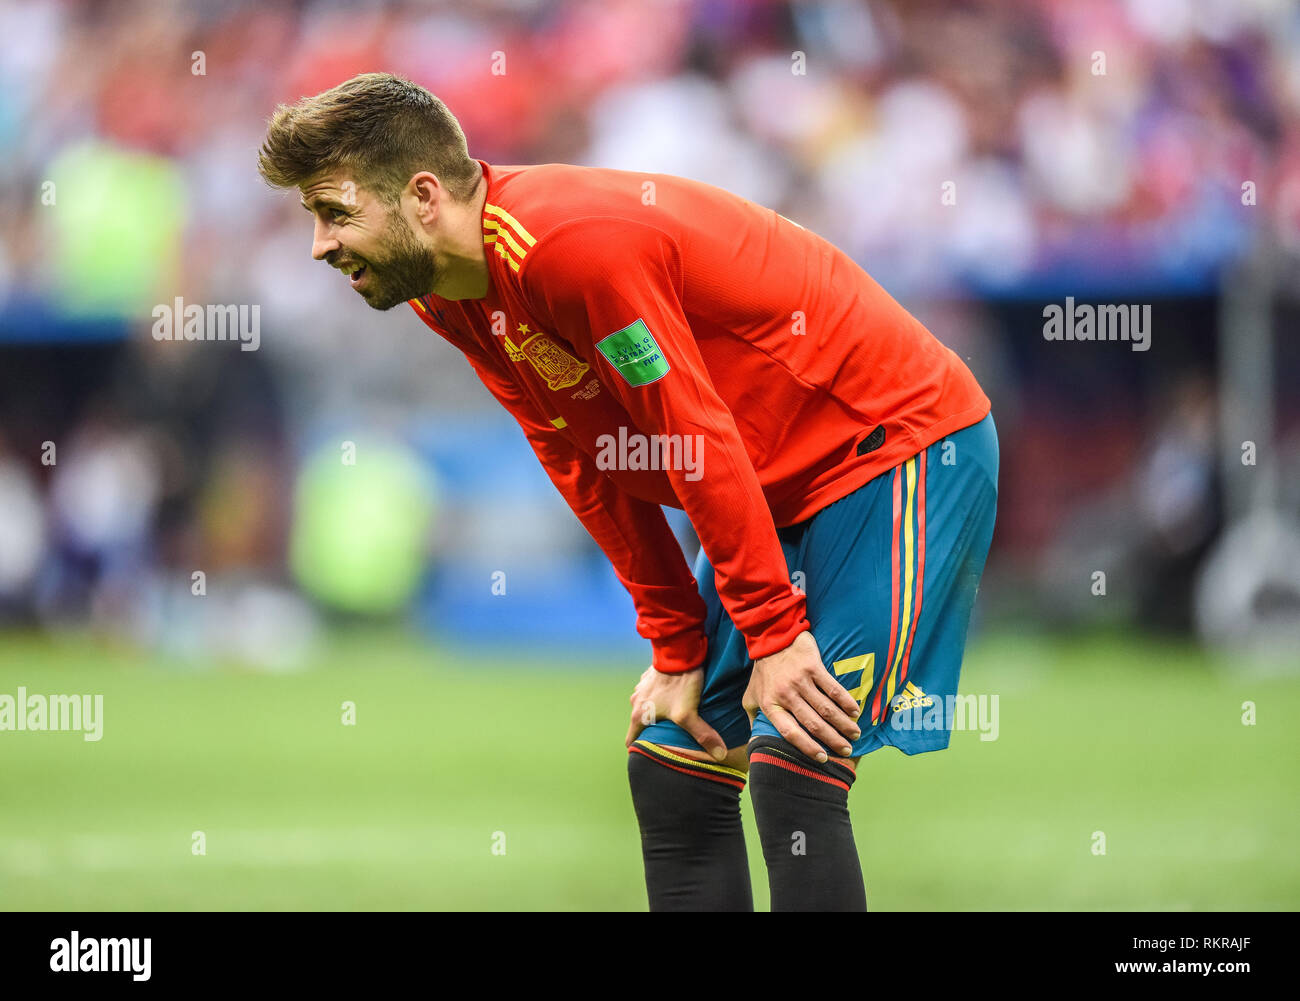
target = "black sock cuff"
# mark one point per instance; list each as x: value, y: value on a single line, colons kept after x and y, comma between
x: 788, y: 767
x: 707, y: 770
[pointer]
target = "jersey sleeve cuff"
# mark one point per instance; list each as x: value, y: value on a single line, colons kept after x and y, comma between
x: 681, y: 653
x: 777, y: 637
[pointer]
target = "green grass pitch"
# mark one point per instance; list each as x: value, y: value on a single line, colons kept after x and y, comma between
x: 453, y: 756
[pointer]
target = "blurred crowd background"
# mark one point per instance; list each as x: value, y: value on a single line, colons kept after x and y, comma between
x: 980, y: 159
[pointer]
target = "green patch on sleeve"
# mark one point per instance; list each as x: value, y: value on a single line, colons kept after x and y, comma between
x: 634, y: 353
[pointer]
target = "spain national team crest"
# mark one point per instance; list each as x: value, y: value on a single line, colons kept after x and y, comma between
x: 559, y: 368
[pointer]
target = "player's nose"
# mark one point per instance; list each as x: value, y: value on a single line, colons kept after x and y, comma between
x: 322, y: 242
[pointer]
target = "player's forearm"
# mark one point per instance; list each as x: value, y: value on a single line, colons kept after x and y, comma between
x: 645, y: 554
x: 726, y: 505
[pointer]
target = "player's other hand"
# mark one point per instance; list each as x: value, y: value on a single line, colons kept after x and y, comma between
x: 802, y: 699
x: 675, y: 697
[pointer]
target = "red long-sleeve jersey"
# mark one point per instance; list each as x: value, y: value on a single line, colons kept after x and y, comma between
x: 624, y: 307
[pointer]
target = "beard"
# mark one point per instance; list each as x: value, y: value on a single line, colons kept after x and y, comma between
x: 405, y: 271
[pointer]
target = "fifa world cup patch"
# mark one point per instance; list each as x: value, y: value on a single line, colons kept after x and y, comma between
x: 634, y: 354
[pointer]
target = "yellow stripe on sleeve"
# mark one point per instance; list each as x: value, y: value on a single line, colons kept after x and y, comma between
x: 512, y: 222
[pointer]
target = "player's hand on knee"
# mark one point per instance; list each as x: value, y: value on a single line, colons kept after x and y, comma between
x: 803, y: 700
x: 673, y: 697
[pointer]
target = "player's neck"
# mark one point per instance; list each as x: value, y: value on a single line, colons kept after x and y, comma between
x: 463, y: 271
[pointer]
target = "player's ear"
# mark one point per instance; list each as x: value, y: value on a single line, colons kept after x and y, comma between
x: 428, y: 193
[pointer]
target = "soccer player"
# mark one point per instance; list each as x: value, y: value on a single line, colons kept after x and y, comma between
x: 663, y: 342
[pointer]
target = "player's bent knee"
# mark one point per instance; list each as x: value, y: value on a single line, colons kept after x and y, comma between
x: 698, y: 764
x: 791, y: 764
x: 677, y: 798
x: 737, y: 758
x: 692, y: 840
x: 801, y: 809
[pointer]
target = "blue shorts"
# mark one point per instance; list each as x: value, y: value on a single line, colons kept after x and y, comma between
x: 890, y: 572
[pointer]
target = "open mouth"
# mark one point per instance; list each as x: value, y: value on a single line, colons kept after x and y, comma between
x: 358, y: 276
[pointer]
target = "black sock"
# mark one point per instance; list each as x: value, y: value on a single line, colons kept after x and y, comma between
x: 802, y: 810
x: 691, y: 839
